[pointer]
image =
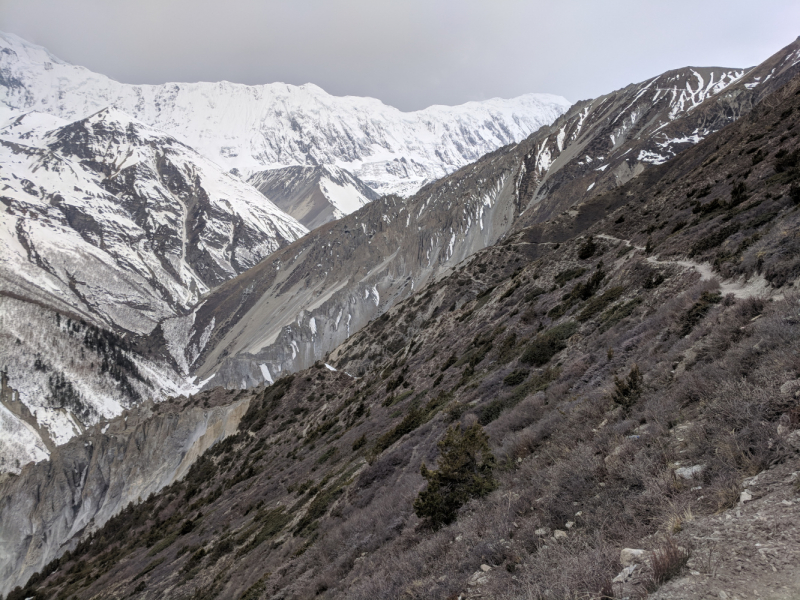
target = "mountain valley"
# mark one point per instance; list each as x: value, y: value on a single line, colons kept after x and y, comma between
x: 230, y: 371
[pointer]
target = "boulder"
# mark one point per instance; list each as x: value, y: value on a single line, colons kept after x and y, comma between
x: 631, y: 556
x: 791, y: 387
x: 625, y: 574
x: 689, y: 473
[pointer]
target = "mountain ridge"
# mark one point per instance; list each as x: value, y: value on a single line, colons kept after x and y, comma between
x: 253, y: 128
x: 537, y: 180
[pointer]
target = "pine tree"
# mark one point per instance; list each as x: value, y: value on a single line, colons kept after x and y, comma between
x: 464, y: 472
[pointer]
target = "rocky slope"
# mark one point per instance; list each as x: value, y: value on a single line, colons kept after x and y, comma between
x: 602, y: 143
x: 313, y: 195
x: 253, y: 128
x: 632, y: 375
x: 88, y: 480
x: 107, y: 228
x: 306, y: 300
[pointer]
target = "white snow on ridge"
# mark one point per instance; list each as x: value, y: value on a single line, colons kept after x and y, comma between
x: 253, y: 128
x: 108, y: 265
x: 345, y: 197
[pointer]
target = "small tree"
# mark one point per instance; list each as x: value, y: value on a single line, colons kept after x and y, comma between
x: 464, y: 472
x: 588, y: 249
x: 627, y: 391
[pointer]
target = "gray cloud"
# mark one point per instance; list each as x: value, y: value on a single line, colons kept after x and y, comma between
x: 408, y: 53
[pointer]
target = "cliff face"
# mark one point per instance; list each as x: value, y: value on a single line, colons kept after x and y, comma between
x: 48, y: 507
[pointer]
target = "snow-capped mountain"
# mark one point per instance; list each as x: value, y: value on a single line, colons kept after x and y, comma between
x: 602, y: 143
x: 255, y: 128
x: 108, y: 227
x: 313, y: 195
x: 116, y: 221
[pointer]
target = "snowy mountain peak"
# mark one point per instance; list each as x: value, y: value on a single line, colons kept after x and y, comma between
x: 255, y: 128
x: 24, y: 49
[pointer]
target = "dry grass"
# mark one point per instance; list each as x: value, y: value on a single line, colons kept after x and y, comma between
x: 667, y: 561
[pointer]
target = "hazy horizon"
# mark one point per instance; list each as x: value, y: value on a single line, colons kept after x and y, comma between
x: 411, y: 54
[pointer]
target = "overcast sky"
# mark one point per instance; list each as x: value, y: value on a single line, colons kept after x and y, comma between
x: 408, y: 53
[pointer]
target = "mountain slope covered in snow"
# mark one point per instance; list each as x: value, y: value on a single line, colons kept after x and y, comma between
x: 313, y: 195
x: 107, y: 228
x: 124, y: 224
x: 254, y: 128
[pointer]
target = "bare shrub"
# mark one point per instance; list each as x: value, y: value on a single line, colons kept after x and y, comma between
x: 724, y: 492
x: 667, y: 561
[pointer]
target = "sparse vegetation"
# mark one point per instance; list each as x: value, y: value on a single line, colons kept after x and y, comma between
x: 546, y: 345
x: 542, y: 423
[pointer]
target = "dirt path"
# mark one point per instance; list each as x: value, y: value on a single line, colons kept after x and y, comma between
x: 749, y: 551
x: 740, y: 288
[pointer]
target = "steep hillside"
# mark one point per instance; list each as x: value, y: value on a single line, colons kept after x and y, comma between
x: 603, y: 143
x: 306, y: 300
x: 90, y: 479
x: 626, y: 388
x: 313, y: 195
x: 253, y: 128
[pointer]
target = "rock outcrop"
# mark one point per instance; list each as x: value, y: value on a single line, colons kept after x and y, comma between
x: 48, y: 507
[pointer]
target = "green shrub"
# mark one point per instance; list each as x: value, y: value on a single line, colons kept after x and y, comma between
x: 588, y: 249
x: 599, y: 304
x: 615, y: 314
x: 464, y: 472
x: 568, y: 275
x: 270, y: 522
x: 794, y: 193
x: 714, y: 239
x: 628, y: 390
x: 516, y: 377
x: 738, y: 194
x: 653, y: 281
x: 538, y: 382
x: 548, y: 343
x: 415, y: 417
x: 533, y: 294
x: 696, y: 313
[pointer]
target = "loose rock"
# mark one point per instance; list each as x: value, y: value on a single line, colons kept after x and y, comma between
x: 690, y: 472
x: 630, y: 556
